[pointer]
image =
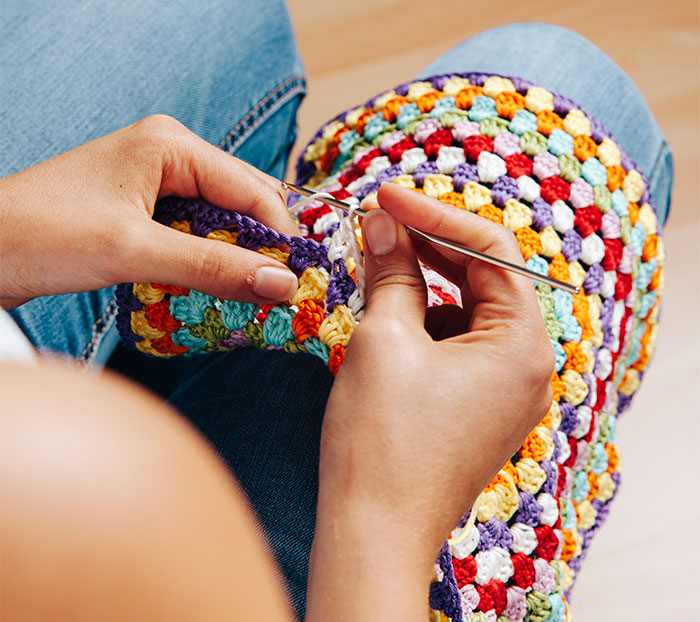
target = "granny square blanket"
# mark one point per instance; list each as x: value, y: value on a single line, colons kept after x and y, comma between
x: 521, y: 156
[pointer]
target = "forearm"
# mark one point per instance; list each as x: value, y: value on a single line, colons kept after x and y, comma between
x: 365, y: 564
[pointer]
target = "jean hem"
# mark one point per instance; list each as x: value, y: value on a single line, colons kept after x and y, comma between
x: 99, y: 330
x: 654, y: 176
x: 274, y: 100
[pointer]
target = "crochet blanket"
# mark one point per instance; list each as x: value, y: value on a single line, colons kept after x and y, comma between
x: 526, y: 158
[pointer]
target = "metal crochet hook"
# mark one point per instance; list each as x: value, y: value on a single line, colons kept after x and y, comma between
x: 470, y: 252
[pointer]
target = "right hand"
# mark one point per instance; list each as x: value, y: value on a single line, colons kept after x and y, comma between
x: 415, y: 428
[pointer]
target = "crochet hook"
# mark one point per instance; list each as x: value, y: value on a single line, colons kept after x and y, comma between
x: 464, y: 250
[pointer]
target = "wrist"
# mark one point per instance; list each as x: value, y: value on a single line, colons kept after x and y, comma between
x: 365, y: 562
x: 400, y: 499
x: 379, y: 523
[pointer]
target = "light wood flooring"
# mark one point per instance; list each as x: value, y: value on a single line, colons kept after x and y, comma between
x: 642, y: 566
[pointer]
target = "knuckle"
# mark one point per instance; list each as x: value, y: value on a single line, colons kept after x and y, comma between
x: 542, y: 405
x: 156, y: 123
x: 503, y: 242
x: 392, y: 328
x: 547, y: 397
x: 539, y: 376
x: 380, y: 333
x: 211, y: 269
x: 540, y: 364
x: 156, y: 130
x: 544, y: 354
x: 131, y: 236
x: 279, y: 192
x: 388, y: 279
x: 268, y: 194
x: 547, y: 362
x: 537, y: 396
x: 533, y: 372
x: 123, y: 247
x: 262, y: 199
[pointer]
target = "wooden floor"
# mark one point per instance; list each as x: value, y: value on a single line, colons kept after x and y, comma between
x: 643, y: 564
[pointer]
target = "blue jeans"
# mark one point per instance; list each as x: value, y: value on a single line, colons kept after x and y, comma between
x: 232, y: 74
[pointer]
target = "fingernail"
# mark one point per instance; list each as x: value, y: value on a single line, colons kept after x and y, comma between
x: 275, y: 283
x: 380, y: 232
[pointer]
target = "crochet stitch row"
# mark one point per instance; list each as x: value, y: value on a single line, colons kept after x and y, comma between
x: 165, y: 320
x: 526, y: 158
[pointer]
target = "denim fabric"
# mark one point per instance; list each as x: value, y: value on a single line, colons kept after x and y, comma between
x: 261, y: 410
x: 79, y: 325
x: 74, y: 71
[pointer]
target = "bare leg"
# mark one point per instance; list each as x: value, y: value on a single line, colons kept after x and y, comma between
x: 113, y: 508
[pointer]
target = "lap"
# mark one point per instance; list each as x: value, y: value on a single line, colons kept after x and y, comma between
x: 245, y: 402
x: 220, y: 69
x: 263, y: 410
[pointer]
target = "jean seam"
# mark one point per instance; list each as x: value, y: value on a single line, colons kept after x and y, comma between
x: 99, y: 328
x: 278, y: 96
x: 655, y: 168
x: 653, y: 178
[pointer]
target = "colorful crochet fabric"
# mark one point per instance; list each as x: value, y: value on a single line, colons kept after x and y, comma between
x: 521, y: 156
x: 166, y: 320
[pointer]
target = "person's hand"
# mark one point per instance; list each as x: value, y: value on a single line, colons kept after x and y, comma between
x: 415, y: 427
x: 82, y: 220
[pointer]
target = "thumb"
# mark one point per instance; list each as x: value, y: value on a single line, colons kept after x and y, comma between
x: 211, y: 266
x: 395, y: 284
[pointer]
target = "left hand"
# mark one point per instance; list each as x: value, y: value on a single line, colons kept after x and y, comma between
x: 83, y: 220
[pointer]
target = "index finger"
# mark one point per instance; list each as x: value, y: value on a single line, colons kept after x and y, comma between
x: 193, y: 168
